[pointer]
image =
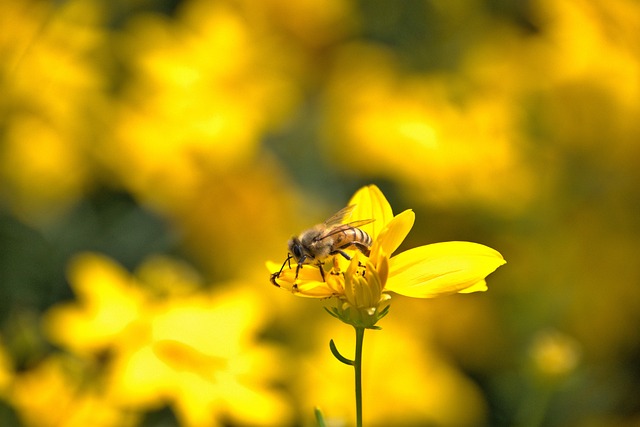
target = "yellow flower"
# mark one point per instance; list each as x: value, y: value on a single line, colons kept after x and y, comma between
x: 169, y: 342
x: 361, y: 283
x: 231, y: 99
x: 61, y: 391
x: 50, y: 53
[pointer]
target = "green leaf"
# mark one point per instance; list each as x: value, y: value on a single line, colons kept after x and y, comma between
x: 319, y: 417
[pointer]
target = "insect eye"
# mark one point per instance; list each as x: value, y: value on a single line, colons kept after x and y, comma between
x: 297, y: 253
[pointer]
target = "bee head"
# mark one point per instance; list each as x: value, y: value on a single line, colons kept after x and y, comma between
x: 296, y: 250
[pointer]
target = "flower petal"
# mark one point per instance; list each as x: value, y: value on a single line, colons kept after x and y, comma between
x: 313, y: 289
x: 394, y: 233
x: 371, y: 204
x: 308, y: 284
x: 442, y: 269
x: 480, y: 286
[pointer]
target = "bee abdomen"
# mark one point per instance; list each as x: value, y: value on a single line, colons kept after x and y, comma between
x: 363, y: 237
x: 354, y: 237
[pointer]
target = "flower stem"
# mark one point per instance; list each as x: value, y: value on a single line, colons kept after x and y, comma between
x: 357, y: 365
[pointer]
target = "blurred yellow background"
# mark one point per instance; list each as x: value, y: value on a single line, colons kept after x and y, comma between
x: 154, y: 154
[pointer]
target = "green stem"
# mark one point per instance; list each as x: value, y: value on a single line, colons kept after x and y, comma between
x: 337, y: 355
x: 357, y: 365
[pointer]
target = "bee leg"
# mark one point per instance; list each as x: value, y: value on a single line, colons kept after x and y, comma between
x: 294, y: 288
x: 298, y: 270
x: 300, y: 262
x: 341, y: 252
x: 320, y: 267
x: 274, y: 276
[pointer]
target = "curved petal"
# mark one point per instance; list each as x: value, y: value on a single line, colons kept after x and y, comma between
x: 371, y: 204
x: 313, y: 289
x: 394, y: 233
x: 308, y: 284
x: 442, y: 269
x: 480, y: 286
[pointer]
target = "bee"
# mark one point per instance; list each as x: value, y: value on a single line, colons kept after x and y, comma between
x: 331, y: 237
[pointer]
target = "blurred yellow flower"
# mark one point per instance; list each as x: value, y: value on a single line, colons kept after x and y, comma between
x: 423, y: 272
x: 204, y: 89
x: 52, y: 96
x: 109, y: 304
x: 428, y: 132
x: 554, y: 355
x: 578, y: 34
x: 58, y: 392
x: 196, y: 351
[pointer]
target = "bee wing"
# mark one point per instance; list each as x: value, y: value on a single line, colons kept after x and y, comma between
x: 330, y: 231
x: 339, y: 216
x: 360, y: 223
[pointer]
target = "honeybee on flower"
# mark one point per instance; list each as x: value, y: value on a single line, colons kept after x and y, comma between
x: 331, y: 237
x: 362, y: 280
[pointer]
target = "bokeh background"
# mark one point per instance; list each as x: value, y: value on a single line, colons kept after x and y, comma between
x: 155, y: 153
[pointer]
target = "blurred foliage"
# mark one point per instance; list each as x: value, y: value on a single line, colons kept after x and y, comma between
x: 154, y: 154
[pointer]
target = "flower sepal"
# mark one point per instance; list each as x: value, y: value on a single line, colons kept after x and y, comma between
x: 361, y: 318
